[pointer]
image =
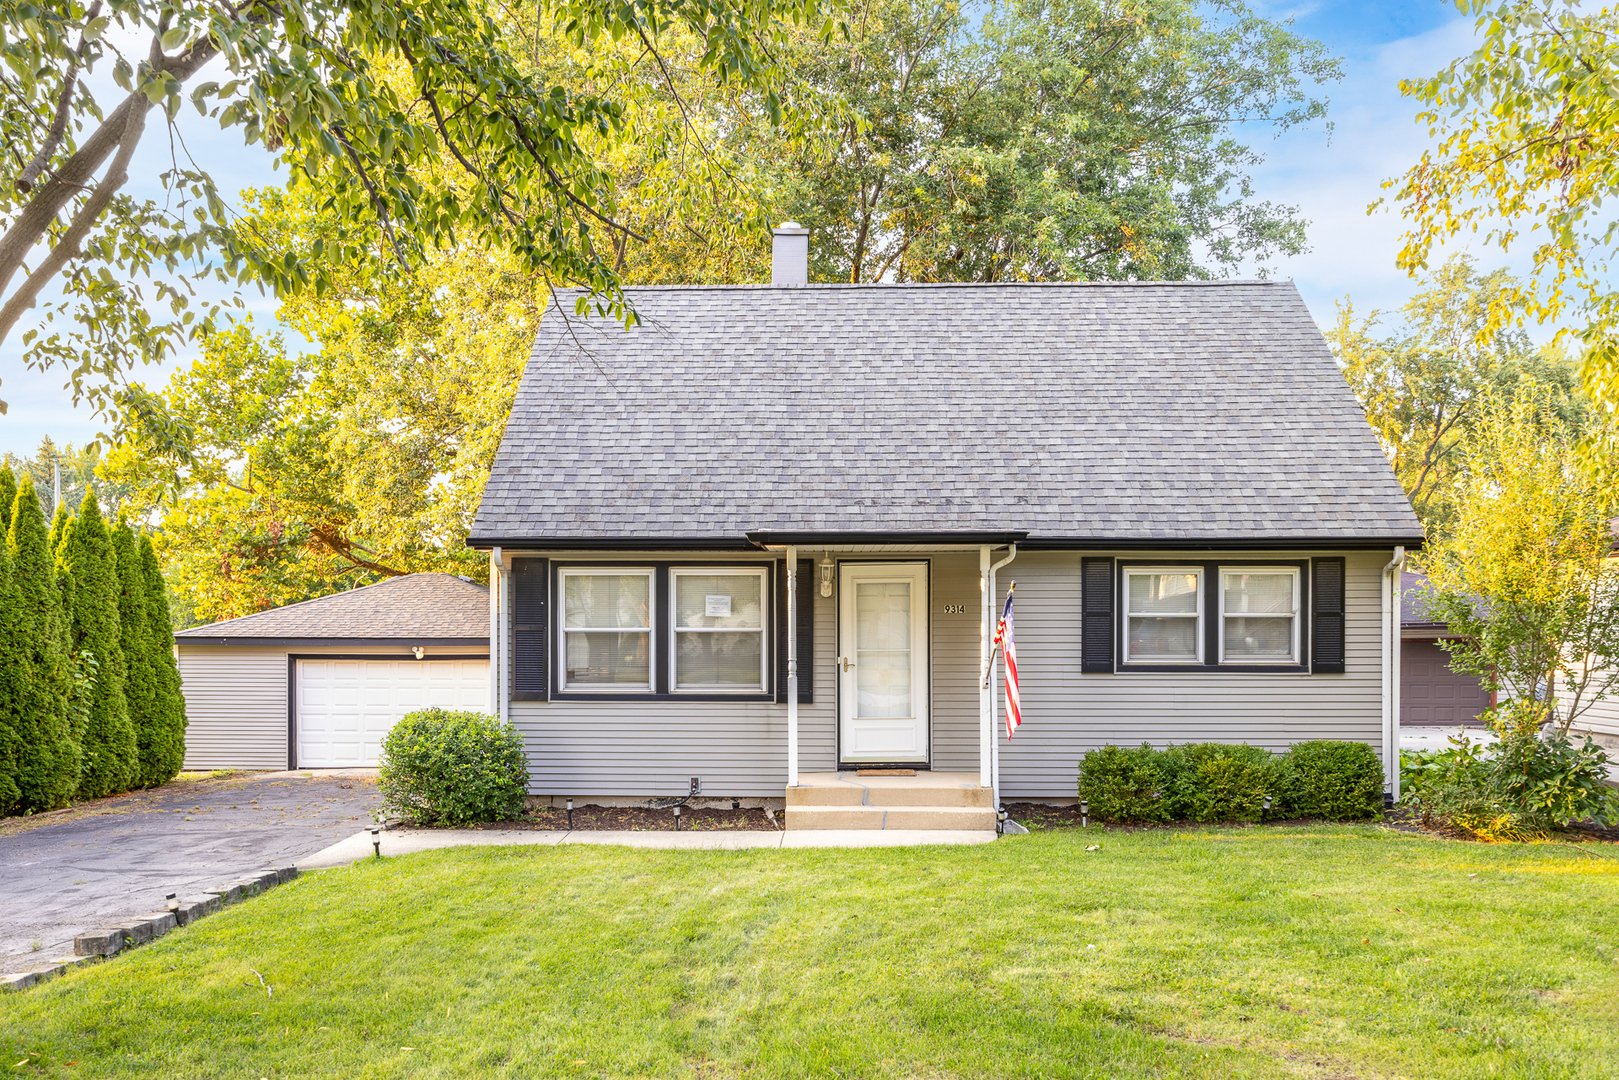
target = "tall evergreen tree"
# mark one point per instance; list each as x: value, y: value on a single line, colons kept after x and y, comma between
x: 59, y: 523
x: 8, y: 496
x: 49, y: 756
x: 167, y: 727
x: 133, y: 631
x: 85, y: 561
x: 12, y: 676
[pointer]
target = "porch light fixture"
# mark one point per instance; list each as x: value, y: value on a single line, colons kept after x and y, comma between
x: 826, y: 573
x: 419, y: 651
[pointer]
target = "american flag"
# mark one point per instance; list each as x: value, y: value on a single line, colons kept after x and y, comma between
x: 1006, y: 638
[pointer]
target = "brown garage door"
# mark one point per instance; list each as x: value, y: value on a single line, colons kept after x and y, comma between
x: 1431, y: 693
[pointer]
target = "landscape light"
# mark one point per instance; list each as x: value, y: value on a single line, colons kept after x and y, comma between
x: 376, y: 842
x: 1084, y: 814
x: 570, y: 814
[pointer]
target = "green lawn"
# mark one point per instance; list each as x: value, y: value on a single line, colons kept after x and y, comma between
x: 1323, y: 951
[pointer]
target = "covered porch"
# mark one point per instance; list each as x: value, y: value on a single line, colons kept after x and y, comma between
x: 916, y: 682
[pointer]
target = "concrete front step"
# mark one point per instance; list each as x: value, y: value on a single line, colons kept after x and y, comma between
x: 942, y: 818
x: 938, y: 790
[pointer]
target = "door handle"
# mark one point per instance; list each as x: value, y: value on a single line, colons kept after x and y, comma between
x: 846, y: 662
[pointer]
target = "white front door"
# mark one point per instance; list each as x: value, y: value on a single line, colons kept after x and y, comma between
x: 883, y: 662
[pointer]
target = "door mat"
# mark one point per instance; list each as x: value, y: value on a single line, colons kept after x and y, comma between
x: 885, y: 772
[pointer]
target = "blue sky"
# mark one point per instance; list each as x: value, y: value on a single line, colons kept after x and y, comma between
x: 1331, y: 180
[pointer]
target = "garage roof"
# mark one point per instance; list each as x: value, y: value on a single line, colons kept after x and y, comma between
x: 416, y: 608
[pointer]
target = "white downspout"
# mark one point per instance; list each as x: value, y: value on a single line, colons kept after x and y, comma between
x: 792, y: 665
x: 986, y: 715
x: 995, y: 686
x: 497, y: 633
x: 1391, y: 670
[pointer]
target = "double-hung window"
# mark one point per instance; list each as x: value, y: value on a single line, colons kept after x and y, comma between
x: 1163, y: 615
x: 607, y: 638
x: 1259, y: 615
x: 719, y: 630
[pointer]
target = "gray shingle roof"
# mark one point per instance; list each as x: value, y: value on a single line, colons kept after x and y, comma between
x: 416, y: 606
x: 1174, y: 411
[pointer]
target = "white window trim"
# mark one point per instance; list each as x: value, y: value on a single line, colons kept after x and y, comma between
x: 763, y: 630
x: 1196, y: 615
x: 1298, y: 620
x: 563, y: 630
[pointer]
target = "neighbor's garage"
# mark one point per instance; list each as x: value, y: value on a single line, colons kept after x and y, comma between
x: 1431, y: 694
x: 317, y: 685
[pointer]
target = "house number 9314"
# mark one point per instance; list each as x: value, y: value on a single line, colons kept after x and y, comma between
x: 955, y: 609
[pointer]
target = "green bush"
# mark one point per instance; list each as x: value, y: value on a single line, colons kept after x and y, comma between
x: 1339, y: 781
x: 1124, y: 785
x: 1223, y: 782
x: 1515, y: 789
x: 452, y: 768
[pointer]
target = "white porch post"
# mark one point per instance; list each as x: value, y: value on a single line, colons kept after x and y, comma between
x: 497, y: 634
x: 792, y: 665
x: 986, y: 714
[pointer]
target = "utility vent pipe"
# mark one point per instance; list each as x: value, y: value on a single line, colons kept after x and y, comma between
x: 789, y: 254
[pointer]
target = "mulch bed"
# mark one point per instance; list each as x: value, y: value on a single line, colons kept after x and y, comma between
x: 640, y: 819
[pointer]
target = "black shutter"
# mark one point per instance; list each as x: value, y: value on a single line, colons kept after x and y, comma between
x: 1096, y: 629
x: 1327, y: 622
x: 531, y: 587
x: 806, y: 632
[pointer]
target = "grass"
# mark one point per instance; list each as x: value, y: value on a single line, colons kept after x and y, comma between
x: 1325, y: 951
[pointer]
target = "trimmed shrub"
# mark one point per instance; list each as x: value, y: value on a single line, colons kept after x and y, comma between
x: 13, y: 674
x: 1222, y: 782
x: 140, y: 686
x: 48, y: 756
x: 452, y: 768
x: 1124, y: 785
x: 1339, y: 781
x: 164, y: 750
x: 88, y: 569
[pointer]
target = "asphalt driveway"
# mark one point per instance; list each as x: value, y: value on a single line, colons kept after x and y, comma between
x: 121, y: 856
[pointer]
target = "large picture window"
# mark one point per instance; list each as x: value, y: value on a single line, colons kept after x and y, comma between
x: 1163, y: 615
x: 607, y: 629
x: 1259, y: 615
x: 719, y: 630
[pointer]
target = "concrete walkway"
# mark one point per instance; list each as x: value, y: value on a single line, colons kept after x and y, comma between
x: 408, y: 841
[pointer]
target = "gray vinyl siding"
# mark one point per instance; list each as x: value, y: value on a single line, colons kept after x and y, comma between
x: 236, y: 700
x: 1600, y: 719
x: 1066, y: 713
x: 643, y: 748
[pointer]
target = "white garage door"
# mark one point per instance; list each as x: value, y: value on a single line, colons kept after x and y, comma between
x: 345, y: 707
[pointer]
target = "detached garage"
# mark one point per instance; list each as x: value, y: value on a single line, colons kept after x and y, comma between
x: 1432, y: 693
x: 317, y: 685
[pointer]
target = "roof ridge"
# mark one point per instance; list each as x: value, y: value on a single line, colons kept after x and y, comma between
x: 853, y: 286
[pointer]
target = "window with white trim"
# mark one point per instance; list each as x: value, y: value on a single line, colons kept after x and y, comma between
x: 1259, y: 615
x: 719, y: 630
x: 1163, y: 615
x: 606, y: 629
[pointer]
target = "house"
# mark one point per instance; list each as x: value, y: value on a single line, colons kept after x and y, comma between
x: 316, y: 685
x: 1432, y: 693
x: 756, y: 544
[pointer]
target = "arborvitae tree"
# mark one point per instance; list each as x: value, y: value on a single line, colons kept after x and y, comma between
x: 85, y: 560
x: 8, y: 496
x: 133, y: 632
x: 167, y: 727
x: 48, y: 756
x: 59, y: 524
x: 12, y: 677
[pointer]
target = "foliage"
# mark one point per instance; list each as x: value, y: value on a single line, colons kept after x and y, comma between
x: 80, y: 472
x: 1423, y: 389
x: 452, y: 768
x: 1524, y: 577
x: 1059, y: 140
x: 1222, y: 782
x: 1209, y: 782
x: 49, y: 759
x: 419, y: 125
x: 1335, y: 780
x: 13, y: 674
x: 1122, y: 784
x: 1527, y: 127
x: 1516, y: 789
x: 145, y: 642
x: 164, y: 732
x: 86, y: 564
